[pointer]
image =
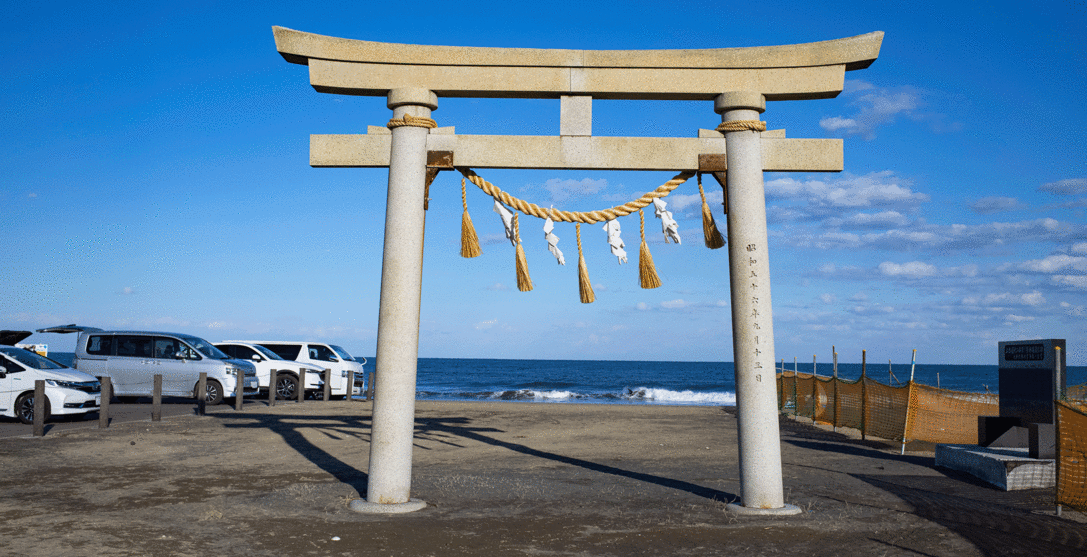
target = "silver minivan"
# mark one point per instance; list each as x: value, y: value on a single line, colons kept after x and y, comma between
x: 131, y: 359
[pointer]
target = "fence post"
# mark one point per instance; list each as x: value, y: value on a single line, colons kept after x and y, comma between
x: 239, y: 389
x: 864, y: 395
x: 103, y: 408
x: 909, y: 403
x: 328, y: 384
x: 370, y: 386
x: 273, y: 376
x: 1057, y: 428
x: 301, y: 384
x: 837, y: 405
x: 202, y: 394
x: 156, y: 399
x: 814, y: 389
x: 39, y: 408
x: 351, y: 386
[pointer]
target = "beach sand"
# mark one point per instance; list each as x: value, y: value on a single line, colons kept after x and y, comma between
x: 499, y: 479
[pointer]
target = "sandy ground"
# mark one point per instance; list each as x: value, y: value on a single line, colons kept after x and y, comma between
x: 499, y: 479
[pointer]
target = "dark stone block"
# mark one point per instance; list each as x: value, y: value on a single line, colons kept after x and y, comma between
x: 992, y: 429
x: 1042, y: 440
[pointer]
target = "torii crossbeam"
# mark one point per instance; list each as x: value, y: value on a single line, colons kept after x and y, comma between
x: 738, y: 80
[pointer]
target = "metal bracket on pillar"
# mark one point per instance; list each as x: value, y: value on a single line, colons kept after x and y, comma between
x: 436, y: 161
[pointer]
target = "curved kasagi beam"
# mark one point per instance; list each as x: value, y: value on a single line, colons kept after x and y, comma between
x: 802, y: 71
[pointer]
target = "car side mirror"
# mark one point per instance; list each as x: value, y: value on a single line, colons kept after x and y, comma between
x: 257, y: 358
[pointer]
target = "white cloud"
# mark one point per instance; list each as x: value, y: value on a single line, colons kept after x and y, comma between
x: 641, y: 306
x: 1078, y: 282
x: 561, y: 190
x: 876, y: 189
x: 1055, y: 263
x: 1072, y: 186
x: 498, y: 286
x: 913, y: 269
x: 1080, y: 248
x: 1074, y: 311
x: 1033, y: 299
x: 484, y: 325
x: 835, y: 123
x: 989, y: 205
x: 1012, y: 318
x: 128, y: 290
x: 32, y: 195
x: 1004, y: 299
x: 674, y: 304
x: 828, y: 298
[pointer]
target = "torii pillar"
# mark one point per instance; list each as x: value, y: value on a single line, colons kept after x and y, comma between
x: 738, y: 80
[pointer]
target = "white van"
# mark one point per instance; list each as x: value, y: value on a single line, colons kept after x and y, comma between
x: 287, y: 371
x: 67, y: 391
x: 131, y: 359
x: 318, y: 354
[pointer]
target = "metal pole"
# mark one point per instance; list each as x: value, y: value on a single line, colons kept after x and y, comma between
x: 761, y: 485
x: 156, y: 399
x: 837, y: 405
x: 39, y: 408
x: 864, y: 394
x: 103, y: 409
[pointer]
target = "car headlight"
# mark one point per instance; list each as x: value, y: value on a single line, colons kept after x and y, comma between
x: 231, y: 370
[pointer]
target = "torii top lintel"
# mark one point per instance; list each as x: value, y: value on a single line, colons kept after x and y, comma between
x: 788, y: 72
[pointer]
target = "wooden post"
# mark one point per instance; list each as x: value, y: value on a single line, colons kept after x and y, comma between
x: 239, y: 389
x: 370, y: 386
x: 156, y: 399
x: 864, y: 394
x: 272, y: 378
x: 814, y: 389
x: 103, y: 408
x: 202, y: 394
x: 39, y: 408
x: 351, y: 386
x: 301, y: 384
x: 328, y: 384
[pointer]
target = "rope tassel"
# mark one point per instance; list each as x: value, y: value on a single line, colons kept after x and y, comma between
x: 584, y: 285
x: 524, y: 282
x: 647, y: 273
x: 469, y: 241
x: 709, y: 228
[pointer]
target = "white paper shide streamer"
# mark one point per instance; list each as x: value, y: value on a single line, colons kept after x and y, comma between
x: 553, y: 241
x: 668, y: 224
x: 616, y: 243
x: 507, y: 220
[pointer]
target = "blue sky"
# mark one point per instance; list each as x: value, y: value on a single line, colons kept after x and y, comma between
x: 155, y: 176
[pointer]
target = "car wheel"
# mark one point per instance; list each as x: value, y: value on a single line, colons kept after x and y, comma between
x: 286, y: 387
x: 213, y: 393
x: 24, y: 408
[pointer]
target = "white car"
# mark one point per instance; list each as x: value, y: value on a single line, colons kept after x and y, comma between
x: 320, y: 354
x: 287, y: 371
x: 67, y: 391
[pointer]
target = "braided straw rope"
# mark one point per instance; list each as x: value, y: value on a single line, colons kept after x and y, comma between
x: 742, y: 125
x: 409, y: 120
x: 586, y: 217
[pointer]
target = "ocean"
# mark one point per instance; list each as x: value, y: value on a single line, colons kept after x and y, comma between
x: 639, y: 382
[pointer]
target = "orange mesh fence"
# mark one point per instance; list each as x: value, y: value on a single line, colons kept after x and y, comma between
x: 1072, y: 455
x: 886, y: 409
x: 907, y: 412
x: 943, y: 416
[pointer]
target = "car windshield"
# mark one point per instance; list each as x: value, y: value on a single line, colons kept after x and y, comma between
x: 341, y: 352
x: 206, y: 348
x: 267, y: 353
x: 30, y: 359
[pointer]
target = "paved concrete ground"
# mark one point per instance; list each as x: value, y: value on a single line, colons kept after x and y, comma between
x: 499, y: 479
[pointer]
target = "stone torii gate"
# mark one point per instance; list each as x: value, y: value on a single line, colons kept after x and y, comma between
x: 738, y: 80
